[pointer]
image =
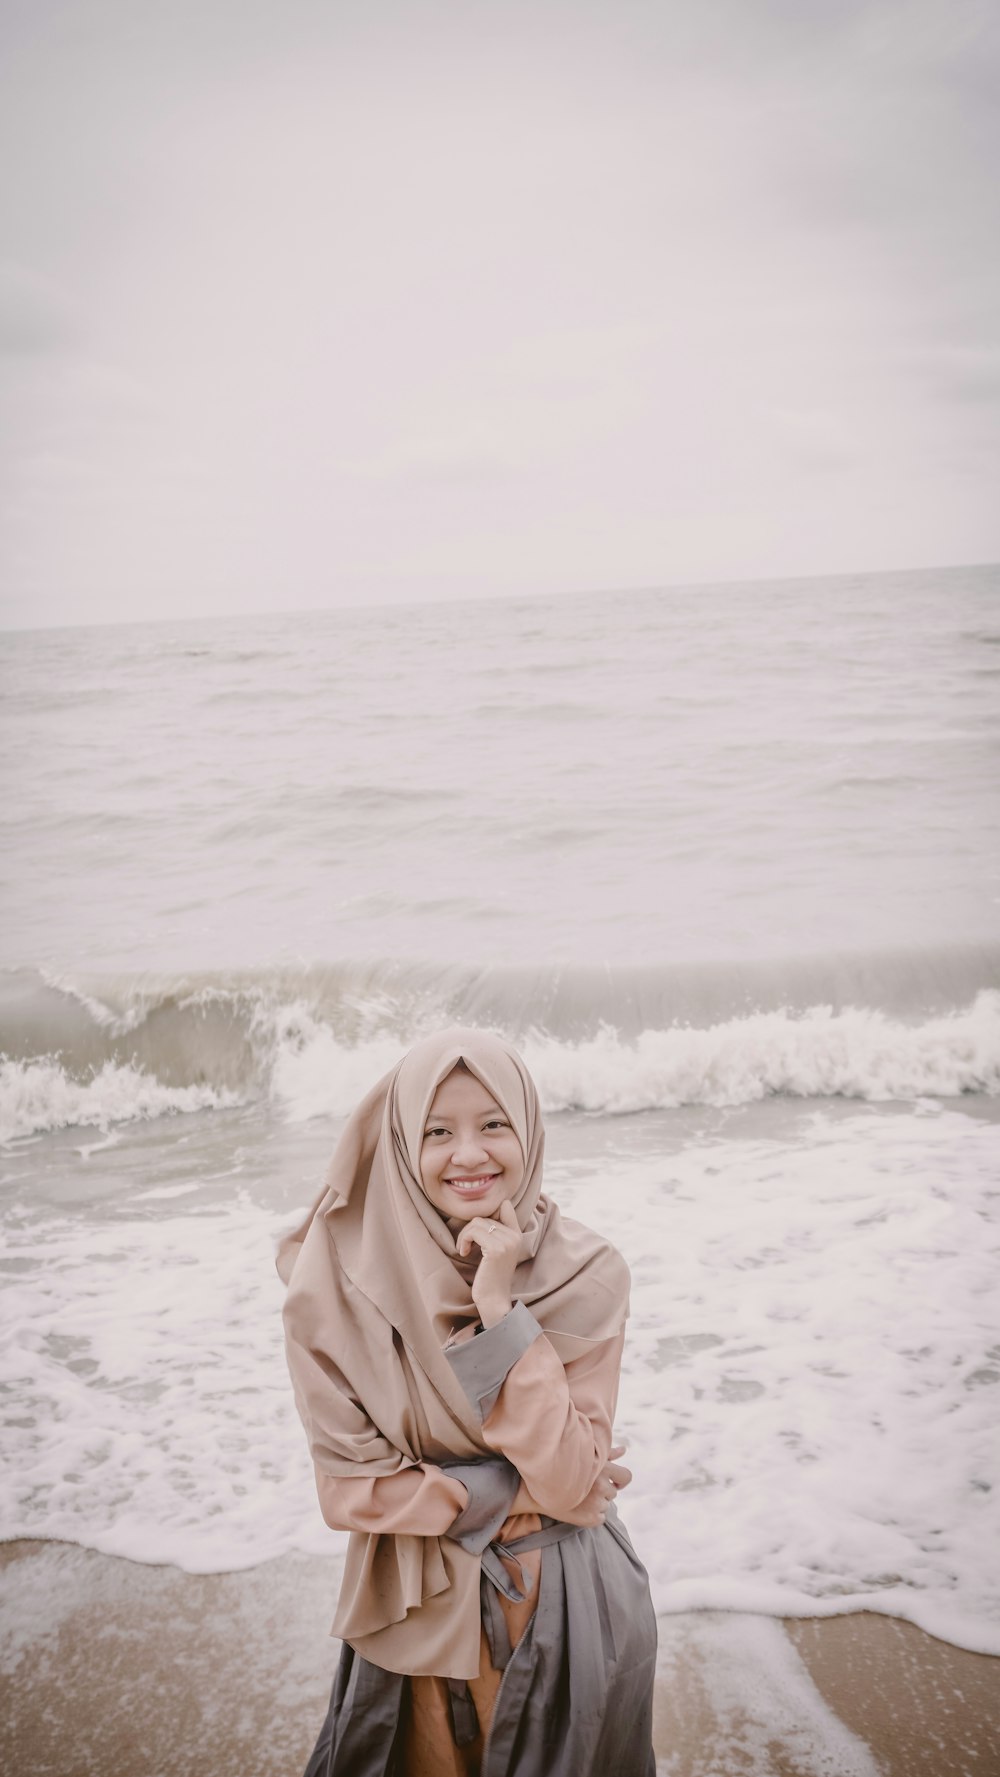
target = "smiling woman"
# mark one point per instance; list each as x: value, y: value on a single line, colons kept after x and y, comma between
x: 455, y: 1348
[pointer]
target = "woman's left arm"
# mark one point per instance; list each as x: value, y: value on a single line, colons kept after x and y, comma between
x: 552, y: 1420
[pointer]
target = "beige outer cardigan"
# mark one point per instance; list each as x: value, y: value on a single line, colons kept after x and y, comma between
x: 376, y: 1289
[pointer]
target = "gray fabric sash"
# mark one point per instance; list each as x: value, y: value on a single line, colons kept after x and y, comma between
x: 495, y: 1578
x: 493, y: 1569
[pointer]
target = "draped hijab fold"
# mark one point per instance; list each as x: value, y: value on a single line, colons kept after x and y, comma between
x: 375, y: 1290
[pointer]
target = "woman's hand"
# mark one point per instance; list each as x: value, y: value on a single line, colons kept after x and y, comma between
x: 593, y: 1509
x: 501, y: 1244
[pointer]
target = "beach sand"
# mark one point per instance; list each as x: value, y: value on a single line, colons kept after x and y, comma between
x: 116, y: 1669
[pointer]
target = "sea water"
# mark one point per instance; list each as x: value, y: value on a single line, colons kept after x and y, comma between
x: 725, y: 862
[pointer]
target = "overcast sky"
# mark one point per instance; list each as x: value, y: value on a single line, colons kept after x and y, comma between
x: 325, y: 301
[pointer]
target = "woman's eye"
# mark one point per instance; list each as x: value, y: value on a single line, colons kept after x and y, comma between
x: 429, y: 1132
x: 497, y: 1123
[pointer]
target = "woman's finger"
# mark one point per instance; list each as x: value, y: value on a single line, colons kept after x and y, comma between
x: 474, y: 1231
x: 493, y: 1238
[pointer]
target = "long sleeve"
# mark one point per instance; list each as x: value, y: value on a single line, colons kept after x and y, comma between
x: 417, y: 1501
x: 552, y: 1421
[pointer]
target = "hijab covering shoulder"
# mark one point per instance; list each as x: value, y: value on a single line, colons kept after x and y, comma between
x: 375, y: 1289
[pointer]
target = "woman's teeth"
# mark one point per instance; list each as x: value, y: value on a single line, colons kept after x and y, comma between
x: 471, y: 1184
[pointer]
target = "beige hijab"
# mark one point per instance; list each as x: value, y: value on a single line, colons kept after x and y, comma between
x: 375, y: 1290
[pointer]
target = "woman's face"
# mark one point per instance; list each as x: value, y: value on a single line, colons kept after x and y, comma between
x: 470, y: 1157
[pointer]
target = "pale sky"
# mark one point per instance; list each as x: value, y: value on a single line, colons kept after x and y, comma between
x: 312, y: 302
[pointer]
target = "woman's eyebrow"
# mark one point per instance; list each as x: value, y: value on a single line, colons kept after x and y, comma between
x: 492, y: 1110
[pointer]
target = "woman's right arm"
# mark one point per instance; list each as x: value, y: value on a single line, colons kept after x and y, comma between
x: 363, y: 1481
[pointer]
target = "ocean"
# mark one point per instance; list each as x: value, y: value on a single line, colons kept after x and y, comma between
x: 723, y: 861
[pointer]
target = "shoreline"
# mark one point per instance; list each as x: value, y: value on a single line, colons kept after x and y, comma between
x: 113, y: 1667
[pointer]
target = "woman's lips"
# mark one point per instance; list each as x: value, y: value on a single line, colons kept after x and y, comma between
x: 473, y: 1187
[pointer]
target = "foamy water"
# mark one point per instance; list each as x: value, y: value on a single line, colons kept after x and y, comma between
x: 809, y: 1394
x: 724, y: 863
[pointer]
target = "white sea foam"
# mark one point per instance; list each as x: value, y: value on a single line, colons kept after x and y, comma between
x: 312, y: 1074
x: 814, y: 1362
x: 853, y: 1054
x: 766, y: 1712
x: 809, y: 1393
x: 153, y: 1418
x: 40, y: 1095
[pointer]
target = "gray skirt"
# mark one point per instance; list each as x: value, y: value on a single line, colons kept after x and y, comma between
x: 576, y: 1695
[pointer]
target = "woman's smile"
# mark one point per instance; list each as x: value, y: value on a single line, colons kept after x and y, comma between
x: 470, y: 1186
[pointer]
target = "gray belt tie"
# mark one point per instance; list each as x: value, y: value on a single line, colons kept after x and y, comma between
x: 495, y: 1578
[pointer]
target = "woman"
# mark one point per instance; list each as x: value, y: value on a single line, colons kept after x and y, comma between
x: 454, y: 1346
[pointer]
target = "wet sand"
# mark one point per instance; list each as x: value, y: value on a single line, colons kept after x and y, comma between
x: 111, y: 1669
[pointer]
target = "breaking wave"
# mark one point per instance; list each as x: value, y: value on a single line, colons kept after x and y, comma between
x: 99, y: 1051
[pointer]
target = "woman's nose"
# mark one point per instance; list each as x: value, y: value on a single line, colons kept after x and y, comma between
x: 468, y: 1148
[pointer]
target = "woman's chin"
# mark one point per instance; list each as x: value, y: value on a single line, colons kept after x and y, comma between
x: 464, y: 1208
